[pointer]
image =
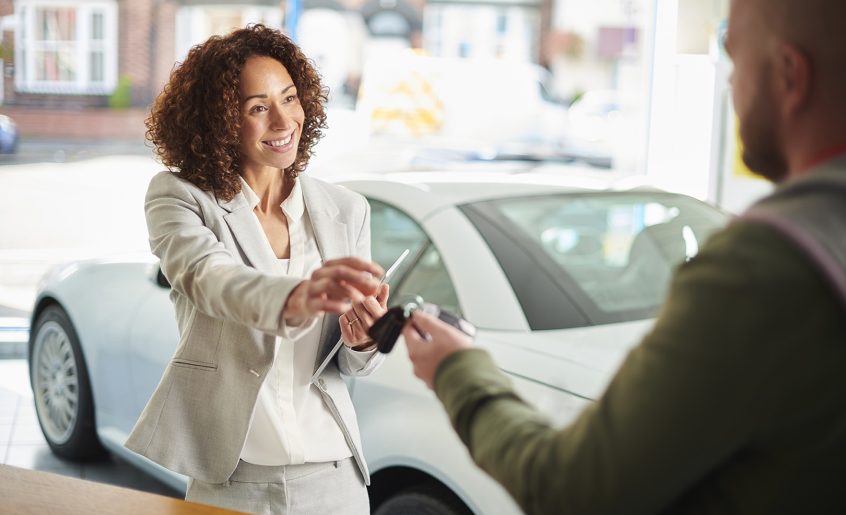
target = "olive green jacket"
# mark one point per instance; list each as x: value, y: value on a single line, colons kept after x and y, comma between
x: 735, y: 403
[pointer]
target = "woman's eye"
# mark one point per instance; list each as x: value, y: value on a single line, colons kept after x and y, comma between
x: 290, y: 98
x: 258, y: 109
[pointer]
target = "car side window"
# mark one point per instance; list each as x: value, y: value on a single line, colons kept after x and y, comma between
x: 423, y: 273
x: 392, y: 231
x: 430, y: 280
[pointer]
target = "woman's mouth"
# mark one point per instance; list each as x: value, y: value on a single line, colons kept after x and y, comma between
x: 280, y: 145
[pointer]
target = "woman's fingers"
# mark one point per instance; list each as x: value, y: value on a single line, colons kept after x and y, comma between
x: 383, y: 294
x: 347, y: 332
x: 335, y: 290
x: 332, y: 287
x: 354, y: 272
x: 365, y: 319
x: 357, y: 263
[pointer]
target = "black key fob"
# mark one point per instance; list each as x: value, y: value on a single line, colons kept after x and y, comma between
x: 388, y: 328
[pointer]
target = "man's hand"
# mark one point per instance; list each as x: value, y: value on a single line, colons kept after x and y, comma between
x: 332, y: 288
x: 441, y: 340
x: 360, y: 318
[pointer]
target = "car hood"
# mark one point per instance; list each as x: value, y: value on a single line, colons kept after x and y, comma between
x: 579, y: 361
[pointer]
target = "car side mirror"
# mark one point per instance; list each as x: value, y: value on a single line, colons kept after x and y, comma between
x: 161, y: 280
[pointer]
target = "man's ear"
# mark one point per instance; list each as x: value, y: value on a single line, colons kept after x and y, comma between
x: 794, y: 79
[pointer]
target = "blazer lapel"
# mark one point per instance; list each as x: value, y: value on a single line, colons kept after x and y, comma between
x: 329, y: 231
x: 331, y: 236
x: 248, y: 234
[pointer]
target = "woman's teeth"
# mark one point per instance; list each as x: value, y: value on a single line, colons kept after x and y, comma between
x: 280, y: 142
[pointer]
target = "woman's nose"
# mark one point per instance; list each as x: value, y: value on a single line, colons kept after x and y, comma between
x: 279, y: 118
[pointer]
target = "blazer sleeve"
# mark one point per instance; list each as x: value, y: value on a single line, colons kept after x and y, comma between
x: 350, y: 362
x: 198, y: 266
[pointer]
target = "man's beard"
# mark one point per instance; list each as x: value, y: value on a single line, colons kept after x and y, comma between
x: 762, y: 150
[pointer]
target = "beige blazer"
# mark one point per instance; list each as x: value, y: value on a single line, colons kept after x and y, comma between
x: 228, y: 303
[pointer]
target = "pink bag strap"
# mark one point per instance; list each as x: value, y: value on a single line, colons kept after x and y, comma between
x: 810, y: 246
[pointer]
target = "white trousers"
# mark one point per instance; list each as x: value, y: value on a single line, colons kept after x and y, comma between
x: 334, y: 487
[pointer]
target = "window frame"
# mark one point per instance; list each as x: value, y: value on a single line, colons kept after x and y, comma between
x: 26, y: 47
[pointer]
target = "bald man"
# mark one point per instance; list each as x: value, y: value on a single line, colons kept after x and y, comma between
x: 735, y: 403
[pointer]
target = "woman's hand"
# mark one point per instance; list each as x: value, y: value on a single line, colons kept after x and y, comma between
x: 360, y: 318
x: 332, y: 288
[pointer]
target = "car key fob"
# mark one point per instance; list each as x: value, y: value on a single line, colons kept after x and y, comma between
x: 388, y: 328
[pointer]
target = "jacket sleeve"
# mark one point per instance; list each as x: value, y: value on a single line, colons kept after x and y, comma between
x: 683, y: 403
x: 350, y: 362
x: 198, y: 266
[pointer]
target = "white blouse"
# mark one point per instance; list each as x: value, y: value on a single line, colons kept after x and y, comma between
x: 291, y: 424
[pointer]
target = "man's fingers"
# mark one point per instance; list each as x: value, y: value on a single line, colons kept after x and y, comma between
x: 430, y: 324
x: 413, y: 339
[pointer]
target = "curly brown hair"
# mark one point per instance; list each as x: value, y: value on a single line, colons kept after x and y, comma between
x: 195, y: 122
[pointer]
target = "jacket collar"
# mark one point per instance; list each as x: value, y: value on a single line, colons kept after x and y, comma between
x: 329, y: 231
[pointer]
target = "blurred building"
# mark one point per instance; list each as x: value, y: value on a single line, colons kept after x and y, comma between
x: 97, y: 53
x: 91, y: 68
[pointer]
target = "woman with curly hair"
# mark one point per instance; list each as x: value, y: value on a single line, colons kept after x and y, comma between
x: 257, y: 256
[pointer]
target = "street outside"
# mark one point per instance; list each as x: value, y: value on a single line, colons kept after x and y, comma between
x: 65, y: 201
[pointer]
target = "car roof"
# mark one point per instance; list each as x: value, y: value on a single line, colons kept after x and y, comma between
x: 423, y: 192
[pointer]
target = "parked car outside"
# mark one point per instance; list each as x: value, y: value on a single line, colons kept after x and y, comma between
x: 560, y: 275
x: 8, y: 135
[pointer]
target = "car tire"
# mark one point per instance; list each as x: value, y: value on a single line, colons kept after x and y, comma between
x: 421, y: 501
x: 61, y: 389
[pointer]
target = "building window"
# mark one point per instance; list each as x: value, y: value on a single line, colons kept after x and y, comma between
x: 66, y: 47
x: 196, y: 23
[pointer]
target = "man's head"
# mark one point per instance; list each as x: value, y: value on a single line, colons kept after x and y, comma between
x: 789, y: 80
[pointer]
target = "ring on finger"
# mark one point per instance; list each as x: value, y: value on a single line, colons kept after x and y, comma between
x: 351, y: 322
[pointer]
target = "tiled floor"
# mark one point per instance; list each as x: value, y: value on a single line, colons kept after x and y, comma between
x: 23, y: 445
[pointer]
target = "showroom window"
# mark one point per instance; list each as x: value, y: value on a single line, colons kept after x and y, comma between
x: 66, y: 48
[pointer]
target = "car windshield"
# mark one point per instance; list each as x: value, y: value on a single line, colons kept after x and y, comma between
x: 587, y: 259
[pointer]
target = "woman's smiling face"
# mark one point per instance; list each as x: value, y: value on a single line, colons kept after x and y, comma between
x: 271, y: 115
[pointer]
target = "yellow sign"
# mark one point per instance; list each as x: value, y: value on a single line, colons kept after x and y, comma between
x: 409, y: 104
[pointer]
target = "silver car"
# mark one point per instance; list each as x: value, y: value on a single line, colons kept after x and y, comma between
x: 561, y: 275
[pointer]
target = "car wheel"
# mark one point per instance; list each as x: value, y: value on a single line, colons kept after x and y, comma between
x: 61, y: 389
x: 421, y: 501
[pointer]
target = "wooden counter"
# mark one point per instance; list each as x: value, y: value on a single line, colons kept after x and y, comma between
x: 29, y: 492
